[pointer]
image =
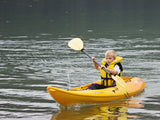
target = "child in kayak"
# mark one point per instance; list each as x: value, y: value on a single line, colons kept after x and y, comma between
x: 112, y: 64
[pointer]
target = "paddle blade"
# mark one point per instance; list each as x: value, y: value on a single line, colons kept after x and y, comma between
x: 121, y: 85
x: 76, y: 44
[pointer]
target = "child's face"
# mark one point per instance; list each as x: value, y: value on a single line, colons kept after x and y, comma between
x: 109, y: 59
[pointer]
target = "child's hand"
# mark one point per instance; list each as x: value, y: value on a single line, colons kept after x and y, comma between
x: 95, y: 64
x: 93, y: 58
x: 102, y: 66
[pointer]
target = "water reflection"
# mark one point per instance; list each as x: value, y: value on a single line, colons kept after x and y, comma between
x: 117, y: 110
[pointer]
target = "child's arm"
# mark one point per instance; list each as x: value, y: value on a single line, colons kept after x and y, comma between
x: 95, y: 65
x: 112, y: 71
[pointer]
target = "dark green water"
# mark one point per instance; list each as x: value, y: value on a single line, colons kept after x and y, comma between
x: 34, y: 54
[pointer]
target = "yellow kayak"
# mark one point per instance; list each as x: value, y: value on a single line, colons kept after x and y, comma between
x: 80, y: 95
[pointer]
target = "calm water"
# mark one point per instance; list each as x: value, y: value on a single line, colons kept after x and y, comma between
x: 34, y: 54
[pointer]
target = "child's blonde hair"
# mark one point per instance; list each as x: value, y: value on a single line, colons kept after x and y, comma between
x: 110, y: 53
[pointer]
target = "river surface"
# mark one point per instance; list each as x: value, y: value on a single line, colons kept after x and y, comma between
x: 34, y: 54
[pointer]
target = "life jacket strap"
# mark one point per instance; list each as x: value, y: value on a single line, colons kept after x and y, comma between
x: 105, y: 81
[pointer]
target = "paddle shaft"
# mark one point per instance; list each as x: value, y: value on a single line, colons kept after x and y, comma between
x: 95, y: 61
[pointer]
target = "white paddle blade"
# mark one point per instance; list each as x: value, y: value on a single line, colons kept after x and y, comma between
x: 76, y: 44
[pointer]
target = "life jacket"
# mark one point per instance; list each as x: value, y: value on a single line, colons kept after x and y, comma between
x: 105, y: 77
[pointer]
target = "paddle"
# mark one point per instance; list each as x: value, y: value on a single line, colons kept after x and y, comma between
x: 77, y: 44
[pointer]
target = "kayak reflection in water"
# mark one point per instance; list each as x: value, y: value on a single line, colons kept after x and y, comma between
x: 111, y: 111
x: 112, y: 64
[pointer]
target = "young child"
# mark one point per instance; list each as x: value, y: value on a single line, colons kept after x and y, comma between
x: 112, y: 64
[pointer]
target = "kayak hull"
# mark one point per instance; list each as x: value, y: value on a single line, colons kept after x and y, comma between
x: 80, y: 95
